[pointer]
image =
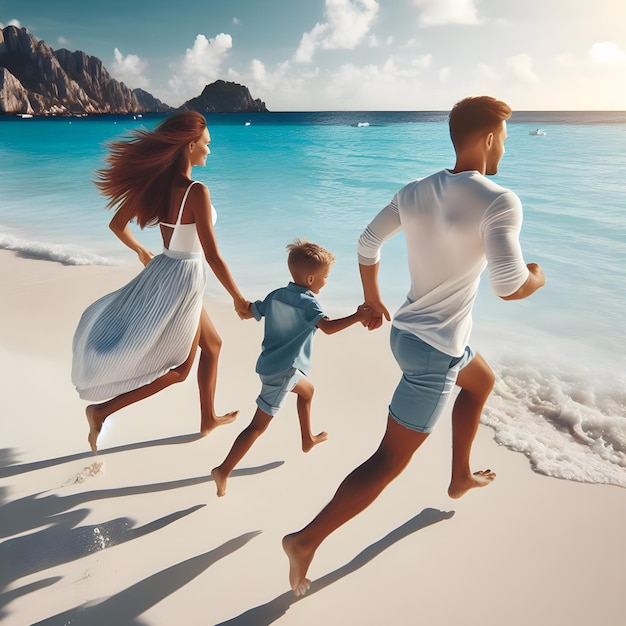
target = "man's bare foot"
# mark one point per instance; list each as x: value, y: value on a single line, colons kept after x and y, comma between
x: 313, y: 441
x: 218, y: 420
x: 220, y: 481
x: 95, y: 425
x: 460, y: 487
x: 299, y: 561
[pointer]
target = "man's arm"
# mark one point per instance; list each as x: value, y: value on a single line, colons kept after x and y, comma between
x: 535, y: 280
x: 385, y: 225
x: 371, y: 296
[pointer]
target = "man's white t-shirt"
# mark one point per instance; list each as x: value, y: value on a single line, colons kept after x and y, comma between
x: 455, y: 225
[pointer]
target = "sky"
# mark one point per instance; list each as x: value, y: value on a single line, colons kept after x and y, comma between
x: 360, y: 55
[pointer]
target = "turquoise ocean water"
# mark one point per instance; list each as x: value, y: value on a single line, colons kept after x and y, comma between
x: 559, y: 356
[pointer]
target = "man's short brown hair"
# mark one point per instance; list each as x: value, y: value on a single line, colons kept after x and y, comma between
x: 304, y: 255
x: 476, y: 114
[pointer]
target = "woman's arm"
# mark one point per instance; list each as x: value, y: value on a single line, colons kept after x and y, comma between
x: 119, y: 225
x: 200, y: 202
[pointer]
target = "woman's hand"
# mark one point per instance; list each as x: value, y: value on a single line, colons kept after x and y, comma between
x: 243, y: 308
x: 145, y: 256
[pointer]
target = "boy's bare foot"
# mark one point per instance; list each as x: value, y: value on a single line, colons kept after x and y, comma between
x: 218, y: 420
x: 313, y: 441
x: 220, y: 481
x: 299, y: 561
x: 460, y: 487
x: 95, y: 425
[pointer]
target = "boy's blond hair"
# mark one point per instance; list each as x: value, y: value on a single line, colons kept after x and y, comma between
x: 307, y: 256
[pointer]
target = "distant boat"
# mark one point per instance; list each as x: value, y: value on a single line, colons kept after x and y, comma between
x: 538, y: 131
x: 24, y: 116
x: 362, y: 124
x: 247, y: 123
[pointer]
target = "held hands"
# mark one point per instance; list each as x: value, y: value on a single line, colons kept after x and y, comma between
x: 363, y: 313
x: 243, y: 308
x: 376, y: 310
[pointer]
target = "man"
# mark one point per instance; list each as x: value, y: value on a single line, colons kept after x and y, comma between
x: 456, y: 222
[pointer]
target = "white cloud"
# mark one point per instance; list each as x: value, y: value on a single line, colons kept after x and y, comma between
x: 607, y: 52
x: 520, y: 68
x: 130, y: 70
x: 280, y: 88
x: 259, y: 73
x: 422, y: 62
x: 201, y: 65
x: 62, y: 41
x: 11, y: 23
x: 439, y: 12
x: 488, y: 72
x: 236, y: 21
x: 347, y: 23
x: 444, y: 74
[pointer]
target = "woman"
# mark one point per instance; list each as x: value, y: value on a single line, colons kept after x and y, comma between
x: 142, y: 338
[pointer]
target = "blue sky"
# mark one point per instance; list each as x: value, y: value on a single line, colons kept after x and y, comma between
x: 351, y: 54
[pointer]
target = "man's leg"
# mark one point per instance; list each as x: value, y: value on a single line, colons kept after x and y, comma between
x: 358, y: 490
x: 476, y: 381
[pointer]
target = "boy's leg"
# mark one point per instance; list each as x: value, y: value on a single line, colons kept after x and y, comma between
x: 358, y: 490
x: 304, y: 389
x: 242, y: 444
x: 476, y: 381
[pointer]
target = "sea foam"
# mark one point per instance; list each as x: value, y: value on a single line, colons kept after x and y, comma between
x: 569, y: 424
x: 60, y: 253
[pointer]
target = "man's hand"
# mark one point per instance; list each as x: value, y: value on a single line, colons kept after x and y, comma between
x: 377, y: 311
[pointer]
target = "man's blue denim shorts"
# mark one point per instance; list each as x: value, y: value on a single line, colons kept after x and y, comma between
x: 428, y: 378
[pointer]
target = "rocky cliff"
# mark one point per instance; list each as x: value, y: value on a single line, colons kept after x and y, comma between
x: 37, y: 80
x: 224, y: 97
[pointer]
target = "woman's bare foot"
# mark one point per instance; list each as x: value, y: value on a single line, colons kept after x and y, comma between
x: 218, y: 420
x: 299, y: 561
x: 220, y: 481
x: 95, y: 425
x: 460, y: 487
x: 313, y: 441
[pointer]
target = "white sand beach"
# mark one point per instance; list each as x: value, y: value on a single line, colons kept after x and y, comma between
x: 136, y: 535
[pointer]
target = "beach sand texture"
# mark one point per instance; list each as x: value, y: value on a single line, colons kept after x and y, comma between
x: 136, y: 535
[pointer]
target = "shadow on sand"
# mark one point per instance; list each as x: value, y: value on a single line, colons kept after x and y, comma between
x: 9, y: 467
x: 268, y: 613
x: 30, y: 512
x: 125, y: 607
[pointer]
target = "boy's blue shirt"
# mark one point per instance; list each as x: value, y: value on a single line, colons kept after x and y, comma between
x: 291, y: 316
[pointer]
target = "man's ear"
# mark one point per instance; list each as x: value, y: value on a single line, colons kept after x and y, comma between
x: 309, y: 279
x: 489, y: 141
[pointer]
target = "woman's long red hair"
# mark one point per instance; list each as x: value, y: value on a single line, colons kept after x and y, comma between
x: 143, y: 168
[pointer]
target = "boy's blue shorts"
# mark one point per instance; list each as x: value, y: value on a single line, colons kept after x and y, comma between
x: 275, y: 388
x: 428, y: 378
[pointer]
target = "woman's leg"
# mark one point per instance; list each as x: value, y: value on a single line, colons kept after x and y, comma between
x: 210, y: 345
x: 97, y: 413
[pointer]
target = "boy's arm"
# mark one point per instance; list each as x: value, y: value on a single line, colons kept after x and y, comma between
x: 330, y: 327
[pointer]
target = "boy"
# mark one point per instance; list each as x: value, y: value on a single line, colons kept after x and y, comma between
x: 292, y: 315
